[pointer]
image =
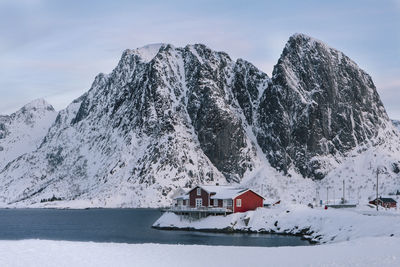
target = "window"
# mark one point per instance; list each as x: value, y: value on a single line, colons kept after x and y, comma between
x: 199, y: 202
x: 216, y: 202
x: 230, y: 203
x: 199, y: 191
x: 238, y: 202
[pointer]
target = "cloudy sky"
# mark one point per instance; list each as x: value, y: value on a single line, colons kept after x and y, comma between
x: 53, y: 49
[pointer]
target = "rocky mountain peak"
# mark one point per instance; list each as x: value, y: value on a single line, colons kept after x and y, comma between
x: 304, y: 40
x: 145, y: 53
x: 38, y: 104
x: 321, y: 103
x: 33, y: 112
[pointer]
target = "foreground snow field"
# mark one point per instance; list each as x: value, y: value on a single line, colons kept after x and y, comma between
x: 382, y: 251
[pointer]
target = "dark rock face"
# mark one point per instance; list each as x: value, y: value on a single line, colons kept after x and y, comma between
x: 321, y: 103
x: 248, y: 85
x: 3, y: 129
x: 212, y: 108
x: 221, y: 136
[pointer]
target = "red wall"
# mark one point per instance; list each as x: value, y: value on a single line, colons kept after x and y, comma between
x: 250, y: 201
x: 193, y: 195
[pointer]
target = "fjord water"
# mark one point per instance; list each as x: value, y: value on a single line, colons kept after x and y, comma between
x: 118, y: 225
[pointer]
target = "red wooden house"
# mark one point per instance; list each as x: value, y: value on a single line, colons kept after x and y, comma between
x: 225, y: 197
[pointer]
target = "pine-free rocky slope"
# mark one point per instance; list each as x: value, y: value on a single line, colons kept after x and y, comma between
x: 168, y: 118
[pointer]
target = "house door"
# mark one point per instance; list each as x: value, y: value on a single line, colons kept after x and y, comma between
x: 199, y: 202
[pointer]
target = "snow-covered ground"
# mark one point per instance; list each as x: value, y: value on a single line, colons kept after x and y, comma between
x: 383, y: 251
x: 319, y: 225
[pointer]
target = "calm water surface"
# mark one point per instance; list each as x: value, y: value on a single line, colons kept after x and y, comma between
x: 118, y: 225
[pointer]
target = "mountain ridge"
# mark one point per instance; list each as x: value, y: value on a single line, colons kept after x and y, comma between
x: 170, y: 117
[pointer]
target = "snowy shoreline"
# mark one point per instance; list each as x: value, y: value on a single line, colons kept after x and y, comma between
x: 229, y: 230
x: 315, y: 225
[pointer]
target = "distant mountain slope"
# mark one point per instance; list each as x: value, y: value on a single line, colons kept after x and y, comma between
x: 396, y: 123
x: 167, y: 118
x: 23, y: 131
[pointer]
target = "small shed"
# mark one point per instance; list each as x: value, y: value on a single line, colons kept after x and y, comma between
x: 385, y: 202
x: 181, y: 201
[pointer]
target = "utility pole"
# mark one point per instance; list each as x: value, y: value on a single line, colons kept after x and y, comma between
x: 377, y: 183
x: 343, y: 193
x: 327, y: 193
x: 348, y: 194
x: 334, y: 196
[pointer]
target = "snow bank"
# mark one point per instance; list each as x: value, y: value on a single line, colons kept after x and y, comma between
x: 319, y: 225
x: 382, y: 251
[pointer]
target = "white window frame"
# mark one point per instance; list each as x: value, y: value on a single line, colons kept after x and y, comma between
x: 199, y: 191
x: 238, y: 202
x: 199, y: 200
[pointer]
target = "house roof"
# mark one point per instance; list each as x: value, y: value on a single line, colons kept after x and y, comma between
x: 223, y: 191
x: 386, y: 199
x: 182, y: 197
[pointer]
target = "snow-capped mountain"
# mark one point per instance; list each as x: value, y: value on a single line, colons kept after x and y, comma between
x: 22, y: 131
x: 167, y: 118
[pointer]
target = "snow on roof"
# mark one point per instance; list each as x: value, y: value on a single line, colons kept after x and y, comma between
x: 184, y: 197
x: 223, y: 191
x: 386, y: 199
